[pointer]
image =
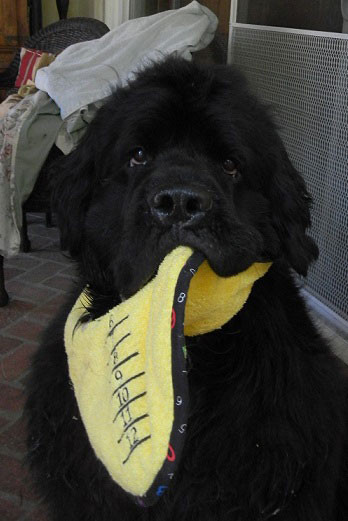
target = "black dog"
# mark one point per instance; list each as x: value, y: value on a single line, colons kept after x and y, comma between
x: 187, y: 156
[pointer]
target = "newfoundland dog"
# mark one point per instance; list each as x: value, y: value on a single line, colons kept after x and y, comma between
x: 186, y: 155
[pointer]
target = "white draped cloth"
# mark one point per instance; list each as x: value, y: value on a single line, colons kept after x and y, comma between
x: 90, y: 71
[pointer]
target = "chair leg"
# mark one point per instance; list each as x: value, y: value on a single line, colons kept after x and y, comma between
x: 25, y: 242
x: 3, y: 294
x: 62, y: 6
x: 49, y: 223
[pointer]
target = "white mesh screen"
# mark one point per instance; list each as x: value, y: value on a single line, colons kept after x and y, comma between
x: 305, y: 77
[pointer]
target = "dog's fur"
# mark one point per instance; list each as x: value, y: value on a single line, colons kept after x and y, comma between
x: 267, y: 425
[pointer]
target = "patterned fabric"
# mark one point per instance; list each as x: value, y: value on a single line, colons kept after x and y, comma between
x: 28, y: 129
x: 8, y: 103
x: 28, y: 59
x: 31, y: 60
x: 9, y: 229
x: 27, y: 133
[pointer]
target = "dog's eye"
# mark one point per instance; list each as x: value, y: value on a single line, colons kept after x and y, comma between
x: 230, y: 168
x: 138, y: 157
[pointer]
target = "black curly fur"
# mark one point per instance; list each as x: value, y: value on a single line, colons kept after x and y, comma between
x: 267, y: 433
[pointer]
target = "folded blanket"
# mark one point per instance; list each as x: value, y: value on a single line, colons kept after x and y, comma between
x: 89, y: 71
x: 128, y: 367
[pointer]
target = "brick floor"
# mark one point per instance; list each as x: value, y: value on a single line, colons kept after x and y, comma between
x: 37, y: 283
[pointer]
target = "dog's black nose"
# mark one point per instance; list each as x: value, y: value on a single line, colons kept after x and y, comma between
x: 183, y: 205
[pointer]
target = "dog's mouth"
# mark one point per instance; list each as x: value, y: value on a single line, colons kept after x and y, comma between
x: 224, y: 261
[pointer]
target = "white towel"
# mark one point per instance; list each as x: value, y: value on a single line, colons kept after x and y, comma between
x: 90, y: 71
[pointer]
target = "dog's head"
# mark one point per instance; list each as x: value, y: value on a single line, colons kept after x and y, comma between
x: 184, y: 155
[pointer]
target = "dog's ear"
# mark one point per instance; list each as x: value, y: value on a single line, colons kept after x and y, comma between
x: 291, y: 203
x: 73, y: 179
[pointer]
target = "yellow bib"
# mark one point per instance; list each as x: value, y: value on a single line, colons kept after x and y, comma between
x: 128, y: 367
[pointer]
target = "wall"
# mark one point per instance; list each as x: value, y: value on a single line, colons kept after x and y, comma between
x: 111, y: 12
x: 91, y: 8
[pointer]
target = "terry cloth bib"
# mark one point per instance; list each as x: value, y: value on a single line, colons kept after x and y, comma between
x: 128, y: 367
